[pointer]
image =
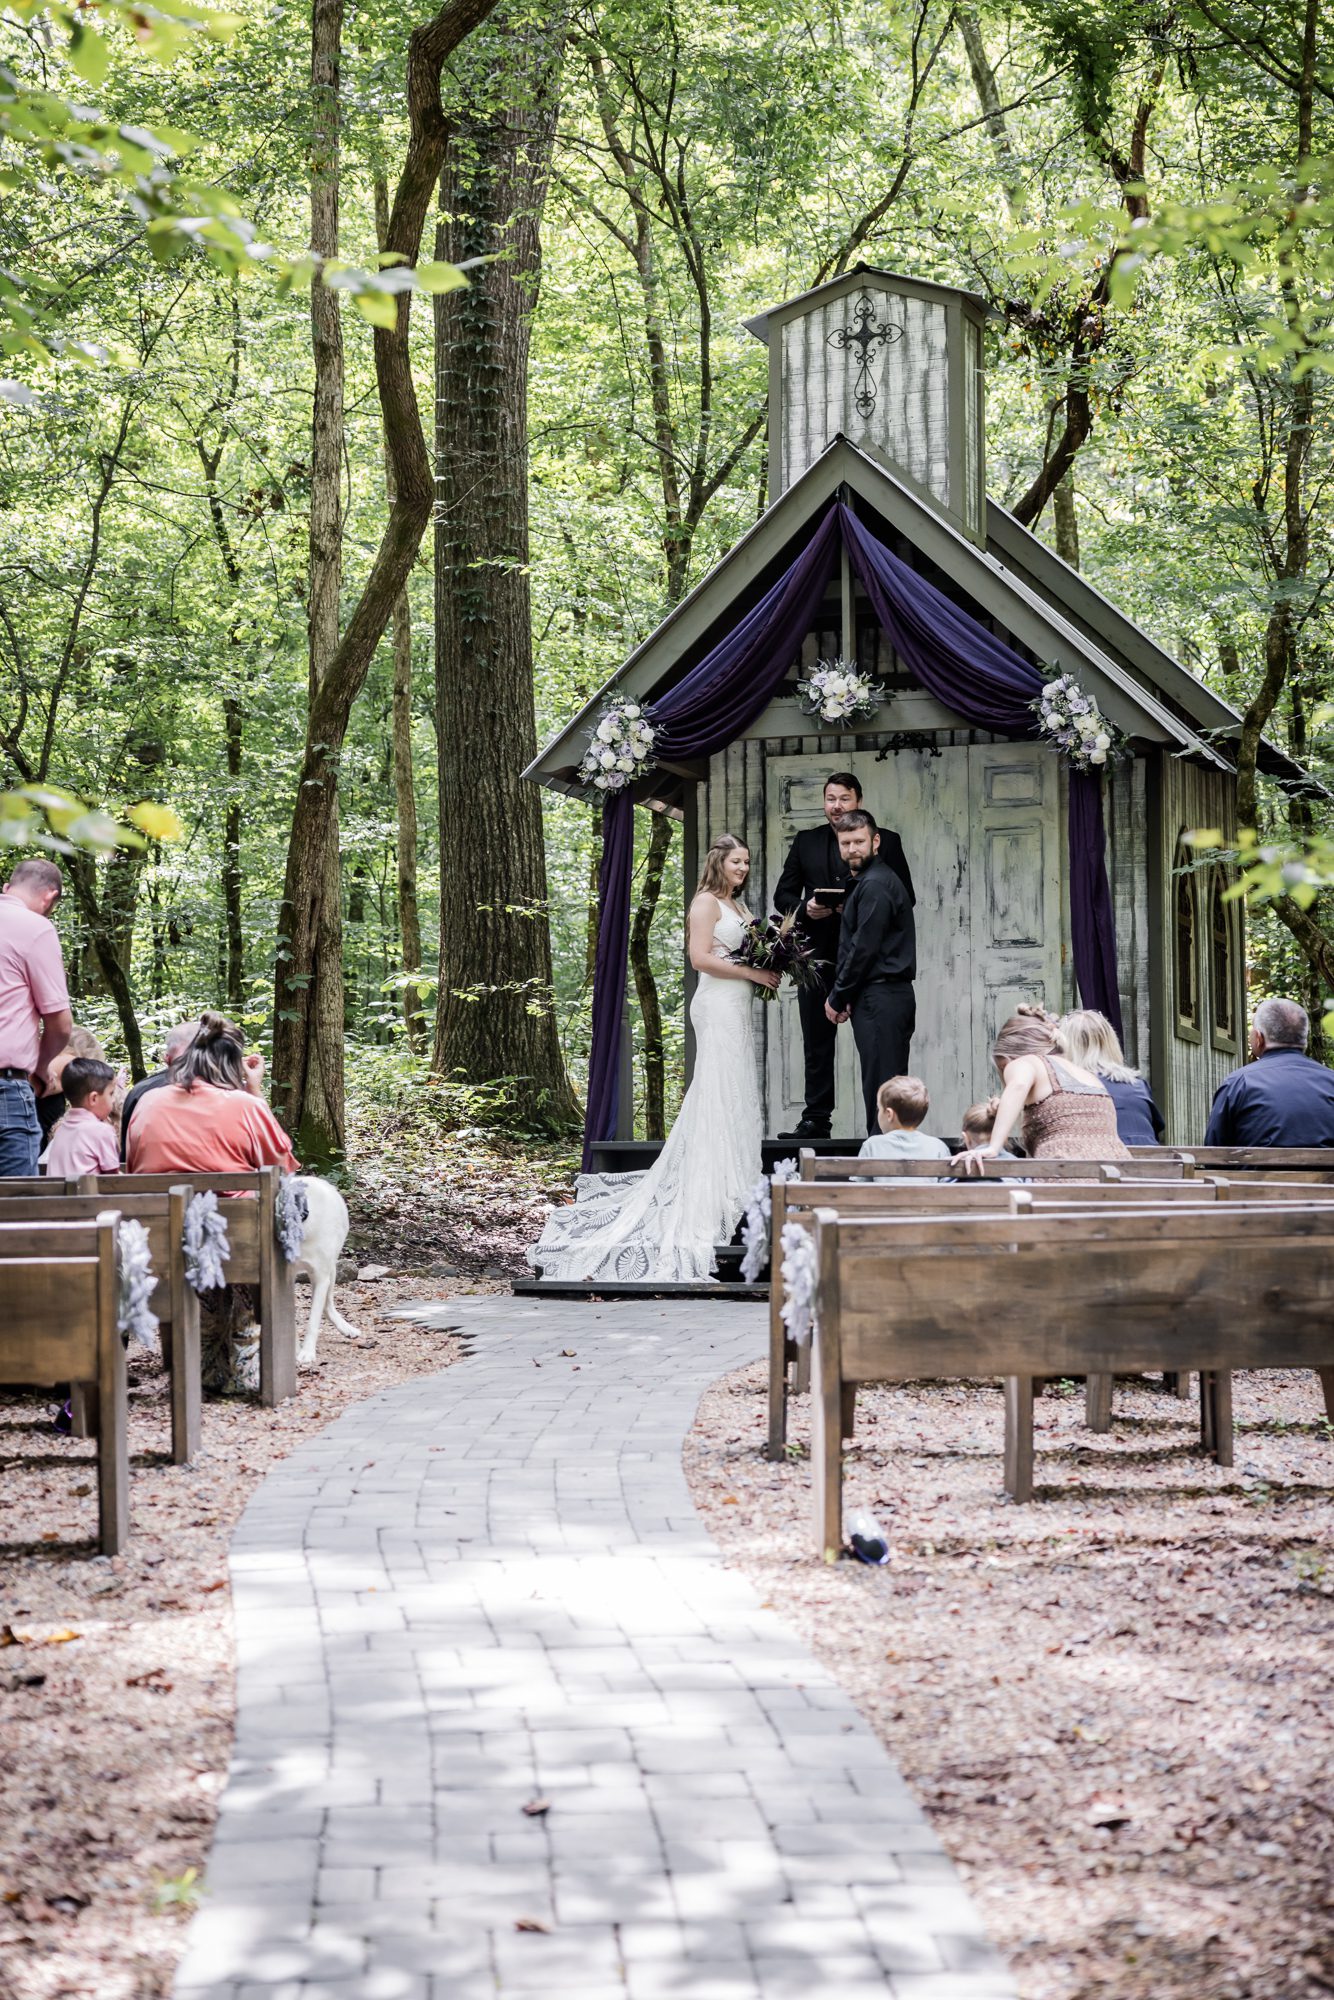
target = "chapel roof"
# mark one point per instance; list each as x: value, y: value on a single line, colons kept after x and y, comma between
x: 1016, y: 580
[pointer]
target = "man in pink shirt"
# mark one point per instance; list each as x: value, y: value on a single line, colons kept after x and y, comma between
x: 35, y: 1018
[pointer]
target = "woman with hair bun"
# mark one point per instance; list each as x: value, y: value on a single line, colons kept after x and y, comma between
x: 1066, y: 1111
x: 211, y: 1118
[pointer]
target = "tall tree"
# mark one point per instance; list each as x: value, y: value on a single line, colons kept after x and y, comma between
x: 314, y: 820
x: 495, y: 1016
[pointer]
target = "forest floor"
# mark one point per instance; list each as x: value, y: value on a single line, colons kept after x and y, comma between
x: 116, y: 1674
x: 1113, y: 1703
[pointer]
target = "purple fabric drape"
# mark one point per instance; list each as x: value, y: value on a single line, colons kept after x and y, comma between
x: 714, y: 703
x: 991, y: 686
x: 950, y: 653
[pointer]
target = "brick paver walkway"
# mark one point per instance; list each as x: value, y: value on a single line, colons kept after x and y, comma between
x: 490, y: 1587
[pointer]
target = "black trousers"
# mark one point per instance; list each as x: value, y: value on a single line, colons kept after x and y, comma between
x: 819, y: 1038
x: 884, y: 1015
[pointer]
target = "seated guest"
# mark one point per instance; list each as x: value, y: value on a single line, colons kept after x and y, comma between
x: 53, y: 1104
x: 1280, y: 1099
x: 1066, y: 1112
x: 978, y: 1124
x: 1090, y: 1040
x: 178, y: 1040
x: 84, y: 1142
x: 210, y: 1117
x: 901, y: 1105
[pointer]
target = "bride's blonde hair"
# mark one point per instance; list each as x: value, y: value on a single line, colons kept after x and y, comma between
x: 712, y: 881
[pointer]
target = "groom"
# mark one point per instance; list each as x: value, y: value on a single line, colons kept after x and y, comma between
x: 877, y: 961
x: 814, y: 862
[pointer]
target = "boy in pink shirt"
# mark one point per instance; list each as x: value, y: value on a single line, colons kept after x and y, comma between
x: 84, y: 1142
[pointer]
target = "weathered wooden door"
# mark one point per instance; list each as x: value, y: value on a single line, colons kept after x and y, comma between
x: 980, y: 828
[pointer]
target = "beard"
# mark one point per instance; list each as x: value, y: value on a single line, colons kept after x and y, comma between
x: 854, y: 863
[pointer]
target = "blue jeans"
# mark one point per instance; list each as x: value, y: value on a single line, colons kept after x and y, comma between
x: 20, y: 1134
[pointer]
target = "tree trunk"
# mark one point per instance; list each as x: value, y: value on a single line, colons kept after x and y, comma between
x: 296, y: 1044
x: 105, y: 918
x: 495, y: 1017
x: 405, y: 794
x: 234, y: 953
x: 1066, y: 521
x: 322, y: 1109
x: 646, y: 987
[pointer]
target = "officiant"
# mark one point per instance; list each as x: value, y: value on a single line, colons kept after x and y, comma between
x: 814, y: 863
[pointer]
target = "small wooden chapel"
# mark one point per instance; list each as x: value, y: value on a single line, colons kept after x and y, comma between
x: 877, y: 413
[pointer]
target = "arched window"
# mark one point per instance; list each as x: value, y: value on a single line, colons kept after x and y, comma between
x: 1186, y: 951
x: 1222, y: 963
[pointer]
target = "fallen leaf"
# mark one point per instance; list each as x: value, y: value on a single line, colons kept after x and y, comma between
x: 532, y: 1924
x: 221, y: 1584
x: 154, y: 1681
x: 17, y: 1635
x: 569, y: 1353
x: 535, y: 1808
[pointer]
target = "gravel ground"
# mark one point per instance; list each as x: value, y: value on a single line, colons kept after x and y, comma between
x: 1113, y: 1703
x: 116, y: 1688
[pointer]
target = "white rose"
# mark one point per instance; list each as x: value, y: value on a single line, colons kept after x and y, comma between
x: 631, y: 710
x: 606, y: 729
x: 1097, y: 756
x: 1086, y: 725
x: 1103, y: 743
x: 607, y: 759
x: 625, y: 763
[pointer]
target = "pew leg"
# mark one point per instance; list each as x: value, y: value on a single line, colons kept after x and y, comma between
x: 1098, y: 1402
x: 1327, y: 1385
x: 1222, y: 1416
x: 827, y: 1461
x: 847, y: 1414
x: 82, y: 1410
x: 1019, y: 1436
x: 277, y: 1328
x: 113, y: 1449
x: 801, y: 1377
x: 778, y: 1364
x: 184, y: 1354
x: 1177, y: 1383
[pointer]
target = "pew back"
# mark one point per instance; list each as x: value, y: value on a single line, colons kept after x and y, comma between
x: 58, y: 1306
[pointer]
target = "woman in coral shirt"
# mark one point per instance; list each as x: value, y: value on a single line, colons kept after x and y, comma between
x: 211, y: 1118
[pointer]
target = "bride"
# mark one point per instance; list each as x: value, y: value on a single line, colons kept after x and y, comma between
x: 663, y: 1225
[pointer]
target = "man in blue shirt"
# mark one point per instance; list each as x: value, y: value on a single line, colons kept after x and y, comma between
x: 1280, y: 1099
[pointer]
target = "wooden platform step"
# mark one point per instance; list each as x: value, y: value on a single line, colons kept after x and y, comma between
x: 636, y: 1156
x: 634, y: 1288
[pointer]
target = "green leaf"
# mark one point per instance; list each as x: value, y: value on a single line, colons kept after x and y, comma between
x: 436, y: 277
x: 379, y: 308
x: 87, y: 52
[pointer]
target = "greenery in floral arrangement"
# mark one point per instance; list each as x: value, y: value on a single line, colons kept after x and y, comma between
x: 837, y: 691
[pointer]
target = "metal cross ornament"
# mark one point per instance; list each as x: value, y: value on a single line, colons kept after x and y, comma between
x: 865, y: 337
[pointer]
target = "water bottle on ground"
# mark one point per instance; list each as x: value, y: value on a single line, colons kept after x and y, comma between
x: 867, y: 1539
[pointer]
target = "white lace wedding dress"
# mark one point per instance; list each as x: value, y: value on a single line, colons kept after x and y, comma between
x: 663, y: 1225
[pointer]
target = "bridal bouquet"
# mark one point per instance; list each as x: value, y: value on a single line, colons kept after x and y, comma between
x: 776, y: 944
x: 621, y: 749
x: 1075, y: 724
x: 837, y: 691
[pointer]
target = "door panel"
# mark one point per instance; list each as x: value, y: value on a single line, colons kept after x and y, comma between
x: 1016, y: 896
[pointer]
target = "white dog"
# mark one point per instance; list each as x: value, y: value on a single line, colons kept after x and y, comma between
x: 321, y: 1244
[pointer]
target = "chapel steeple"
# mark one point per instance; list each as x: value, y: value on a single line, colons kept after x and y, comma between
x: 895, y: 365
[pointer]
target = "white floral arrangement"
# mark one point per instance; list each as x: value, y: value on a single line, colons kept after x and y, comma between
x: 621, y: 749
x: 1075, y: 724
x: 837, y: 691
x: 759, y: 1212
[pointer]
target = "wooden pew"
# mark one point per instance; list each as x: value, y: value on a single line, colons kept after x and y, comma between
x: 1079, y: 1291
x: 254, y: 1257
x: 1315, y: 1161
x: 918, y: 1196
x: 163, y: 1216
x: 58, y: 1306
x: 1168, y: 1166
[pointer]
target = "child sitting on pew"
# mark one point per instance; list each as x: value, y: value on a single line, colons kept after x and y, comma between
x: 84, y: 1141
x: 901, y: 1104
x: 978, y: 1122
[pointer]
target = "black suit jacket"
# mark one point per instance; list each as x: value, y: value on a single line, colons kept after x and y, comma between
x: 814, y: 862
